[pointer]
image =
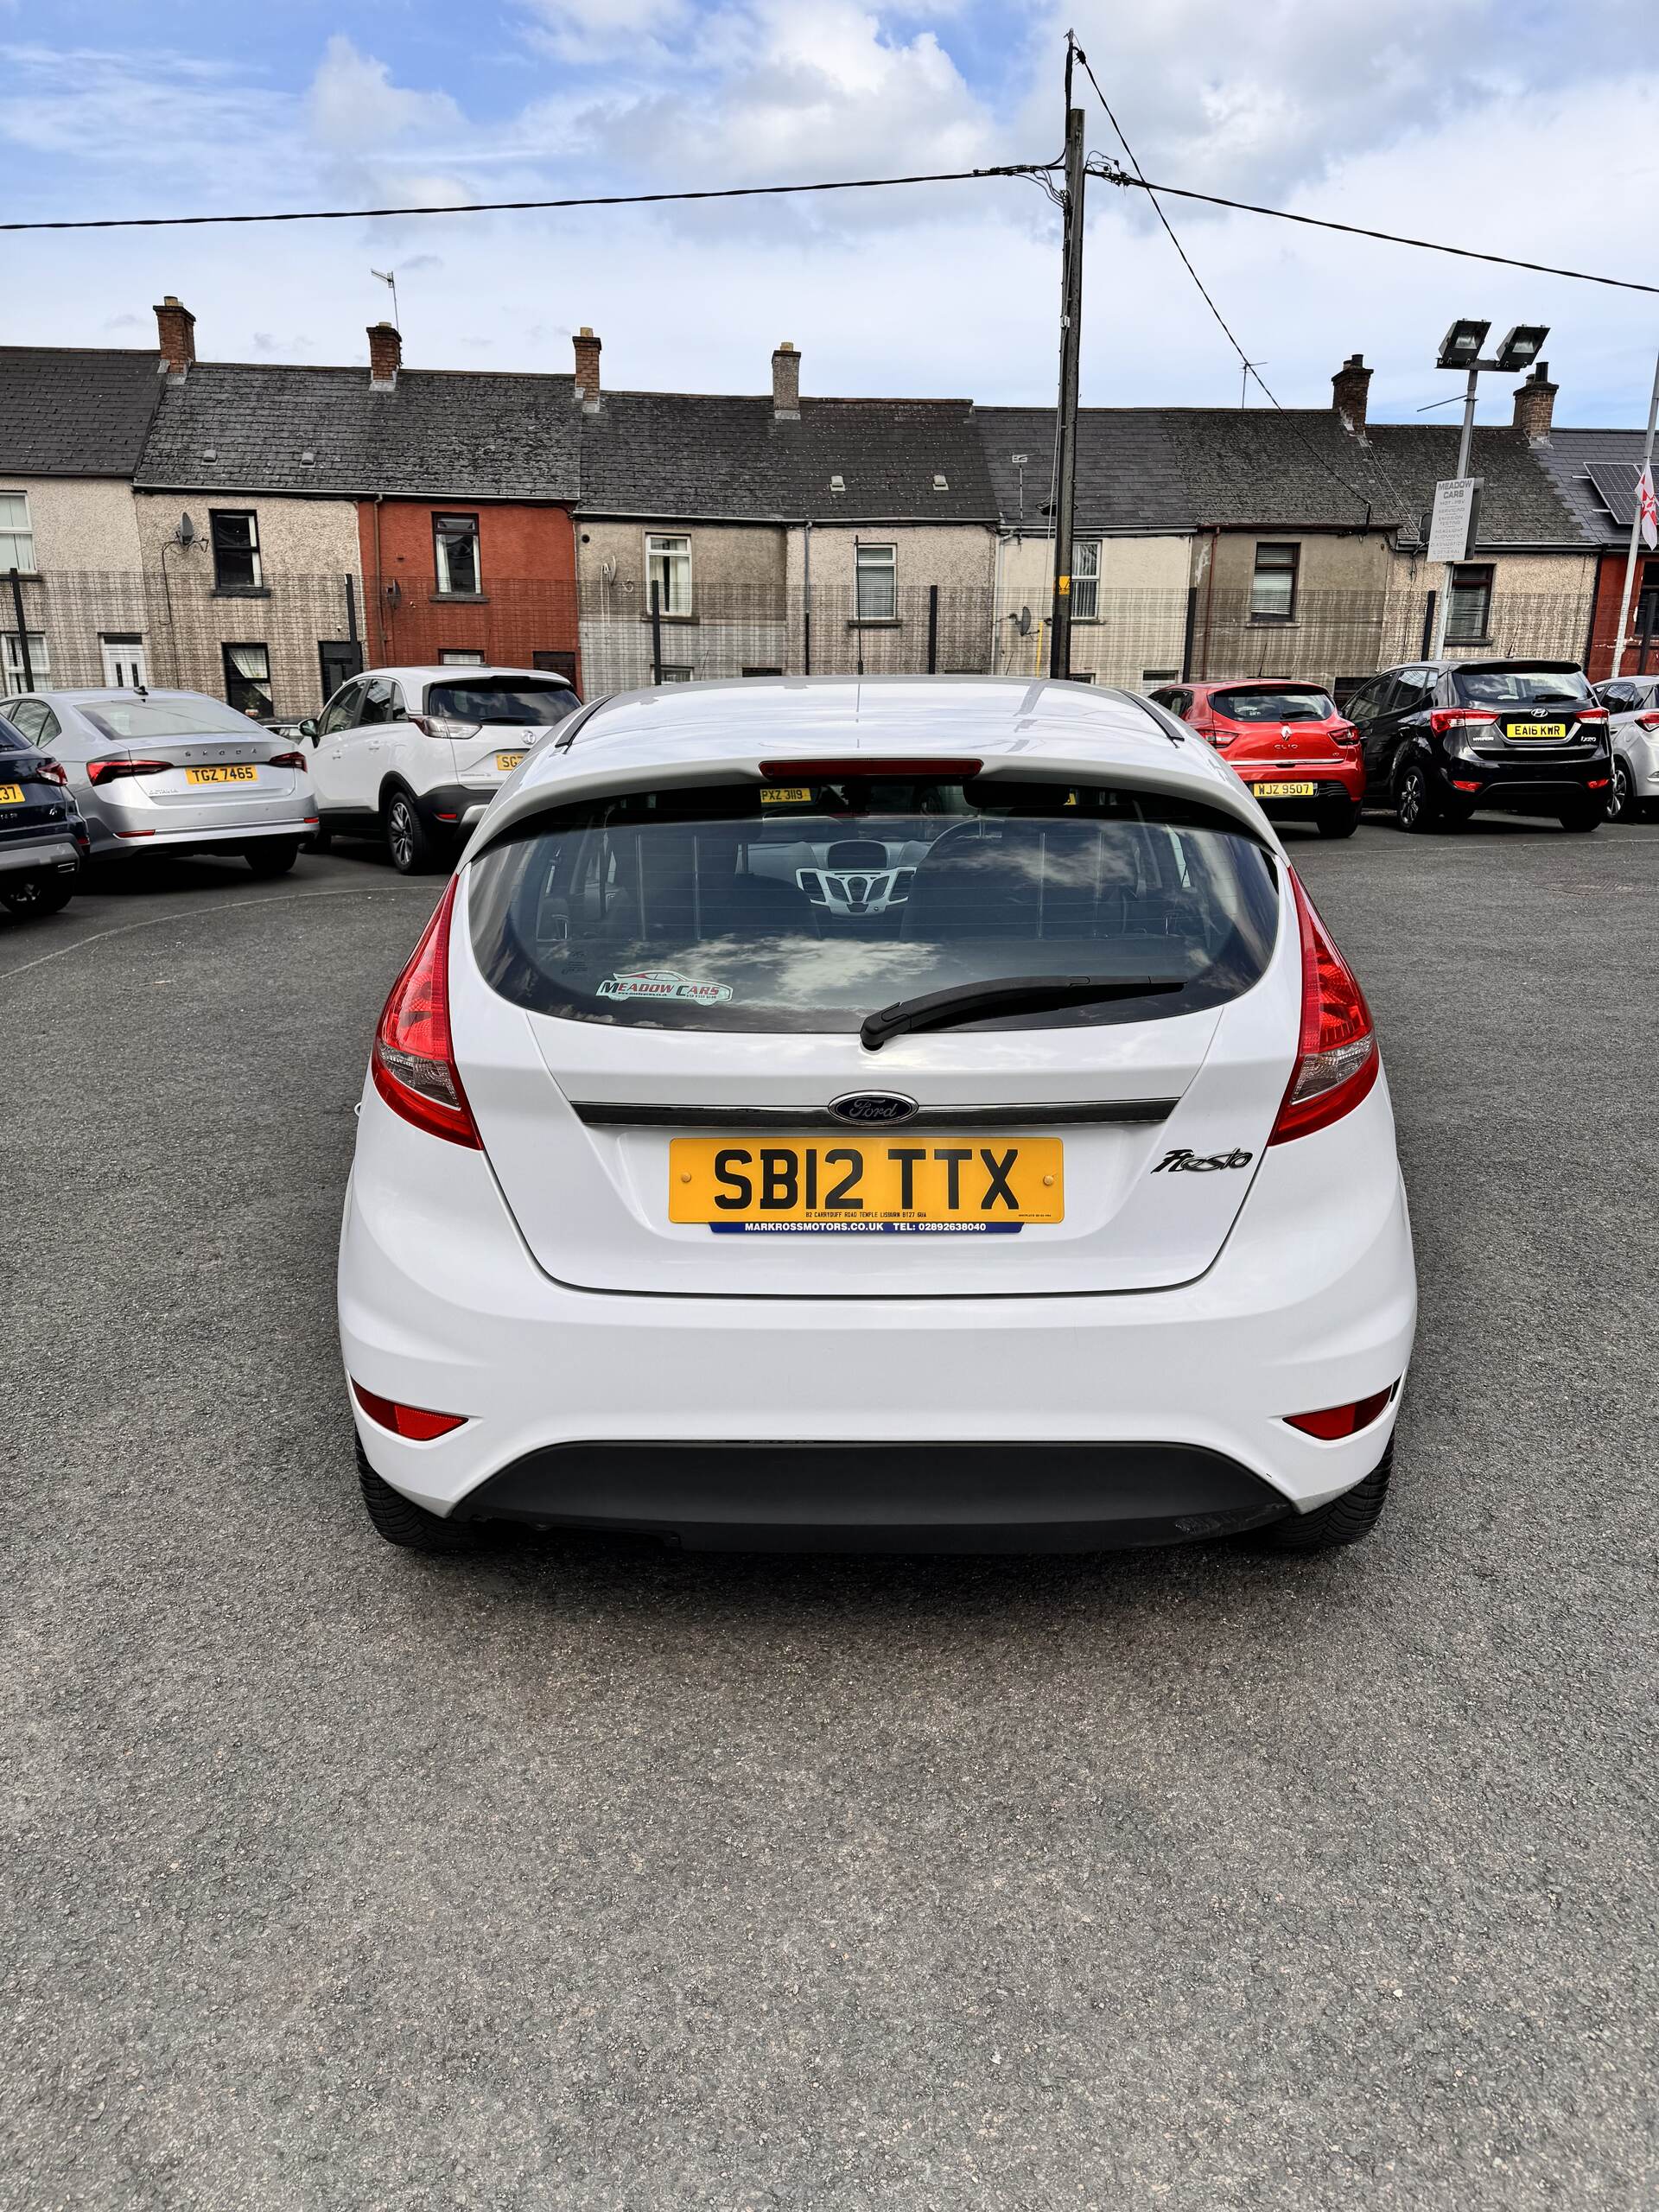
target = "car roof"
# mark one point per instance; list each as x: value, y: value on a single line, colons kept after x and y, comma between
x: 75, y: 692
x: 450, y: 672
x: 1253, y: 683
x: 676, y: 733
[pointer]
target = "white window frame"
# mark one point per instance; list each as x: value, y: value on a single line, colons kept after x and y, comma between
x: 668, y: 565
x: 39, y: 659
x: 876, y: 570
x: 16, y: 539
x: 459, y: 657
x: 441, y: 552
x: 1086, y: 579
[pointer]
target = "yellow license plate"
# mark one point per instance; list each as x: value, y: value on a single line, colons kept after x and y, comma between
x: 871, y: 1182
x: 1538, y: 729
x: 505, y: 760
x: 241, y: 774
x: 1284, y: 791
x: 11, y: 794
x: 785, y: 794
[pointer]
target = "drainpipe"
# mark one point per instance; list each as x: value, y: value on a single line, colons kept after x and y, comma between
x: 379, y: 587
x: 996, y: 598
x: 806, y: 599
x: 1210, y: 594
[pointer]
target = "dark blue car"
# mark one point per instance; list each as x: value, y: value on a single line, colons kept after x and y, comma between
x: 42, y: 837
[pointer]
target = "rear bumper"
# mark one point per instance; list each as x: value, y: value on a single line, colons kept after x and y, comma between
x: 913, y: 1498
x: 1534, y: 785
x: 247, y: 833
x: 1311, y: 1303
x: 54, y: 855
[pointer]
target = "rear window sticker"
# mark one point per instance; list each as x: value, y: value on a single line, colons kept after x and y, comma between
x: 662, y: 983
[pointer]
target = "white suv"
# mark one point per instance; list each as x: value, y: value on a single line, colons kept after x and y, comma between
x: 414, y: 755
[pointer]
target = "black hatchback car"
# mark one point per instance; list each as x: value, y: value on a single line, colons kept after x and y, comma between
x: 1442, y: 737
x: 43, y: 840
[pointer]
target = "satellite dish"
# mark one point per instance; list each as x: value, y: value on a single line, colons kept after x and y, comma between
x: 186, y: 532
x: 1022, y: 621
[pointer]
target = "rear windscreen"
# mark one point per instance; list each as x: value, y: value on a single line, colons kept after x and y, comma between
x: 808, y: 907
x: 488, y: 699
x: 13, y: 741
x: 1253, y: 706
x: 145, y: 720
x: 1510, y: 687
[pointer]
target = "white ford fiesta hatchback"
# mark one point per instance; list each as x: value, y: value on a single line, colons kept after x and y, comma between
x: 919, y: 1114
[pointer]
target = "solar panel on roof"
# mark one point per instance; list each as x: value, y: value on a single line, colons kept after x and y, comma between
x: 1615, y: 487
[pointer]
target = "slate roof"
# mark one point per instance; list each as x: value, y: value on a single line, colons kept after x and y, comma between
x: 688, y: 456
x: 438, y: 433
x: 1564, y: 457
x: 1128, y: 476
x: 67, y: 410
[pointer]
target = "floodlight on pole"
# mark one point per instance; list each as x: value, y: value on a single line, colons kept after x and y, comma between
x: 1522, y: 347
x: 1460, y: 347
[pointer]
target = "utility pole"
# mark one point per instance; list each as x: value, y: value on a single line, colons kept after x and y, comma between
x: 1464, y: 445
x: 1635, y: 531
x: 1060, y: 638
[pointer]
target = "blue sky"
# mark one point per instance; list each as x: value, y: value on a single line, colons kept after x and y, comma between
x: 1527, y: 125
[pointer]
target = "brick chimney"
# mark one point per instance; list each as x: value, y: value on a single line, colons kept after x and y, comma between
x: 386, y: 356
x: 587, y: 350
x: 1534, y: 404
x: 1348, y: 388
x: 786, y: 383
x: 176, y: 338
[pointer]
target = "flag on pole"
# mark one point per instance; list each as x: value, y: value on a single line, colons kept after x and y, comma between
x: 1648, y: 508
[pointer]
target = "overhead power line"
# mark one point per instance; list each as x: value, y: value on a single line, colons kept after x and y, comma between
x: 504, y: 207
x: 1249, y: 366
x: 1109, y: 172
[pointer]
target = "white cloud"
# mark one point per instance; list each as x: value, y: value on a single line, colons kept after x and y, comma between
x: 355, y: 108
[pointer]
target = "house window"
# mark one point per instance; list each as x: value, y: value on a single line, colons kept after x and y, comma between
x: 460, y: 660
x: 39, y: 667
x: 1273, y: 586
x: 668, y: 565
x: 876, y: 571
x: 763, y: 672
x: 455, y: 539
x: 1086, y: 579
x: 16, y: 533
x: 676, y: 672
x: 247, y: 680
x: 1469, y: 609
x: 235, y: 551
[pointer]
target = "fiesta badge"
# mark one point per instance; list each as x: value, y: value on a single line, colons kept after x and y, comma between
x: 873, y: 1109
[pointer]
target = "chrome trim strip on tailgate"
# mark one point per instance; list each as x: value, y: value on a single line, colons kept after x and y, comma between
x: 600, y: 1113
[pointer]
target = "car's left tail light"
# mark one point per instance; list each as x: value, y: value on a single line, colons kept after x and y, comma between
x: 413, y: 1061
x: 111, y: 771
x: 1336, y: 1053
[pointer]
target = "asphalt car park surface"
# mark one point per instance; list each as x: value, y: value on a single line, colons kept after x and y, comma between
x: 612, y: 1877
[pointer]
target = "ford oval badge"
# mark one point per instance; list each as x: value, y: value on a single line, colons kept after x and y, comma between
x: 879, y: 1108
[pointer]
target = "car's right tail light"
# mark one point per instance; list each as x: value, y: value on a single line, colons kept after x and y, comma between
x: 1336, y: 1053
x: 286, y: 760
x: 50, y: 771
x: 110, y: 770
x: 1649, y: 721
x: 413, y: 1061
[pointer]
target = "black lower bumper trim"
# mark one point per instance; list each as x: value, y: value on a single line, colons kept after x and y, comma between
x: 891, y: 1498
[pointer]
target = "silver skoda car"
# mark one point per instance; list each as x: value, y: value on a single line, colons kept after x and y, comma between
x: 173, y: 770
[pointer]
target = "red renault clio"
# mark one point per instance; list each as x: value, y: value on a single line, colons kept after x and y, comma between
x: 1288, y: 742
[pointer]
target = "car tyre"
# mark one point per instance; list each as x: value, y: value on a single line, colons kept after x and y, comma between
x: 39, y: 896
x: 1339, y: 1521
x: 1623, y: 802
x: 1416, y: 809
x: 401, y: 1522
x: 1336, y: 821
x: 274, y: 856
x: 407, y: 840
x: 1583, y: 818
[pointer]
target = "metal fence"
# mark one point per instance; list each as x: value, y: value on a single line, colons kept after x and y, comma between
x: 285, y: 647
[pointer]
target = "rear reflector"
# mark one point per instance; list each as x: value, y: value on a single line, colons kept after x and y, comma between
x: 832, y: 772
x: 135, y: 833
x: 1598, y: 783
x: 1457, y: 786
x: 411, y: 1422
x: 1336, y: 1055
x: 1341, y: 1421
x: 413, y: 1061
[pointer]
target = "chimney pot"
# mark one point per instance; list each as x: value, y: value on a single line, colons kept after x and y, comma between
x: 587, y: 351
x: 1348, y: 388
x: 386, y: 356
x: 176, y: 338
x: 786, y: 382
x: 1534, y: 404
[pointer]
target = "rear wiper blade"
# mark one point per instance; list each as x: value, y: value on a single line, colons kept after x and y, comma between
x: 1010, y: 995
